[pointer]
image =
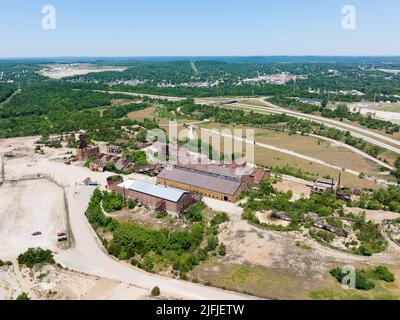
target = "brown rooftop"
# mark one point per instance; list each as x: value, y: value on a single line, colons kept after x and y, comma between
x: 218, y: 170
x: 200, y: 180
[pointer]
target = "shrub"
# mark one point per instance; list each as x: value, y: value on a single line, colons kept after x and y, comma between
x: 222, y: 249
x: 322, y: 235
x: 195, y: 212
x: 383, y: 273
x: 180, y: 249
x: 23, y: 296
x: 155, y: 292
x: 112, y: 201
x: 35, y: 256
x: 219, y: 218
x: 131, y: 204
x: 5, y: 263
x: 212, y: 243
x: 148, y: 263
x: 362, y: 280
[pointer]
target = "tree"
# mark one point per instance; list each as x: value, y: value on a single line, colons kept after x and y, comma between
x: 110, y: 166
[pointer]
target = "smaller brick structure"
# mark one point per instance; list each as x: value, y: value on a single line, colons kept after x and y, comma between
x: 155, y: 196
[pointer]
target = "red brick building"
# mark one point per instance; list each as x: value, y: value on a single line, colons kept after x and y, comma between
x: 155, y: 196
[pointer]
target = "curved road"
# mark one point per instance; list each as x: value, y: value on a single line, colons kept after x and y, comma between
x: 88, y: 256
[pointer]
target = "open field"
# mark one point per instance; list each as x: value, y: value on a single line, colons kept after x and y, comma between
x: 142, y: 114
x: 312, y: 147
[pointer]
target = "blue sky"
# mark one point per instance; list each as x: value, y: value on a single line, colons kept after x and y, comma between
x: 198, y: 27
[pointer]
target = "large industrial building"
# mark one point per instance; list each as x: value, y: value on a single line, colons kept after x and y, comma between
x: 214, y: 181
x: 155, y: 196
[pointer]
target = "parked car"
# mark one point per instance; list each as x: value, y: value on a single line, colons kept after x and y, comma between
x: 36, y: 233
x: 61, y: 234
x: 61, y: 239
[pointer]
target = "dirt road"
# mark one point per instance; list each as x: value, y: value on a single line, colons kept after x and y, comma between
x: 87, y: 255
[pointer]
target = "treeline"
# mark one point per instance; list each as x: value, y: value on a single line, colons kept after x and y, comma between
x: 334, y: 76
x: 46, y: 109
x: 6, y: 91
x: 46, y: 97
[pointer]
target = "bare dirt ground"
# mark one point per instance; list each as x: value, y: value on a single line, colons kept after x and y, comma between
x: 280, y: 264
x: 87, y: 254
x: 299, y: 190
x: 27, y: 207
x: 375, y: 215
x: 10, y: 287
x: 62, y: 71
x: 55, y: 283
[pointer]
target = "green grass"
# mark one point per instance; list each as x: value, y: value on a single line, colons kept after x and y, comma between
x: 258, y: 281
x: 338, y: 293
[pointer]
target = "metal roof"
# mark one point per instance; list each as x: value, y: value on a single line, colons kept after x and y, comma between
x: 203, y: 181
x: 152, y: 189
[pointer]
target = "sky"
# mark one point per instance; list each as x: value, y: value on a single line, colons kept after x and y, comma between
x: 198, y: 28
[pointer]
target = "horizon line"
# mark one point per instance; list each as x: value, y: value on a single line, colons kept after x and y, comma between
x: 203, y: 56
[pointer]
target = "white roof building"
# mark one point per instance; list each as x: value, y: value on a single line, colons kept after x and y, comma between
x: 156, y: 190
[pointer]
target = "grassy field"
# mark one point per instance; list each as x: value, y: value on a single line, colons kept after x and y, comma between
x: 270, y: 283
x: 273, y: 283
x: 394, y: 107
x: 142, y: 114
x: 333, y: 290
x: 311, y: 147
